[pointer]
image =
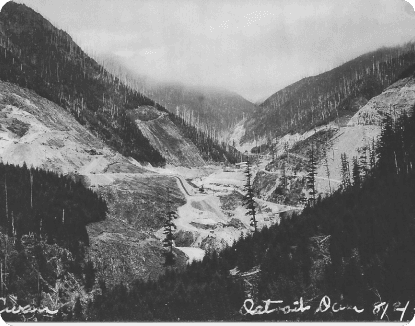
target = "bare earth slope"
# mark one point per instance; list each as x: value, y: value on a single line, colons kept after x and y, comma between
x: 164, y: 136
x: 365, y: 125
x: 38, y: 132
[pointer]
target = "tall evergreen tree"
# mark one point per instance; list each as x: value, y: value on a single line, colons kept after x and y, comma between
x: 326, y: 166
x: 386, y: 147
x: 372, y: 156
x: 169, y: 228
x: 311, y: 175
x: 363, y: 162
x: 249, y: 201
x: 345, y: 171
x: 356, y: 172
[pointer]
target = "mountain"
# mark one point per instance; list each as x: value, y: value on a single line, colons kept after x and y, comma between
x: 39, y: 133
x: 332, y: 96
x: 364, y: 128
x: 211, y: 109
x: 342, y: 257
x: 40, y: 57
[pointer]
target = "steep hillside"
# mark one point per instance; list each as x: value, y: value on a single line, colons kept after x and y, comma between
x: 41, y: 133
x: 213, y: 110
x: 38, y: 56
x: 38, y: 132
x: 364, y: 128
x: 166, y: 137
x: 338, y: 260
x: 330, y: 96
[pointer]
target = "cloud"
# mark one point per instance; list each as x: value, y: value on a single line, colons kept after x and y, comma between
x: 251, y: 47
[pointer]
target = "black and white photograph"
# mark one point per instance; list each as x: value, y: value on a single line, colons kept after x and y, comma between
x: 207, y: 161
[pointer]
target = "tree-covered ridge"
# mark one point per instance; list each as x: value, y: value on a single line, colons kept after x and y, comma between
x: 50, y: 206
x: 355, y: 246
x: 36, y: 55
x: 320, y: 99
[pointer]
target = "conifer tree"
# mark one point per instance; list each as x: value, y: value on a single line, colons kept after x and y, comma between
x: 311, y: 175
x: 363, y: 163
x: 249, y: 201
x: 284, y: 175
x: 345, y: 171
x: 303, y: 199
x: 386, y: 149
x: 372, y: 156
x: 169, y: 227
x: 356, y: 173
x: 326, y: 165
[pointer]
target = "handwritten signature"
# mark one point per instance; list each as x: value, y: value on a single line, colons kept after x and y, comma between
x: 325, y: 305
x: 28, y: 309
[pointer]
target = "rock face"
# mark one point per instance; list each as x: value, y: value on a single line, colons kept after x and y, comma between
x: 166, y: 137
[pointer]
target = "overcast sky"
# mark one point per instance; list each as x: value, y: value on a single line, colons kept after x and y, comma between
x: 253, y: 47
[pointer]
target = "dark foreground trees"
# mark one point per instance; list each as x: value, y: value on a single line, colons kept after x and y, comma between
x: 355, y: 247
x: 249, y: 201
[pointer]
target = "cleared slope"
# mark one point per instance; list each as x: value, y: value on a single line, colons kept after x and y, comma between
x: 165, y: 137
x: 40, y: 57
x: 38, y: 132
x: 365, y: 126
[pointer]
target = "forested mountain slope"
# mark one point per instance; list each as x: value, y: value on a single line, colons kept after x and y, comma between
x: 359, y: 135
x: 355, y: 248
x: 320, y: 99
x: 38, y: 56
x: 213, y: 110
x: 40, y: 133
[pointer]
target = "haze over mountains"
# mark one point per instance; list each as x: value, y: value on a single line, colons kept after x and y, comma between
x: 212, y: 109
x: 149, y: 148
x: 335, y: 94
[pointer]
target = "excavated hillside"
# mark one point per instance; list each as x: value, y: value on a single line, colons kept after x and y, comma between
x: 45, y: 59
x: 285, y: 177
x: 364, y: 127
x: 38, y: 132
x: 165, y: 137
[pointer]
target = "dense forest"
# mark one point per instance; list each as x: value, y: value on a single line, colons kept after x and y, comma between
x: 50, y: 206
x: 38, y: 56
x: 342, y: 91
x: 354, y: 247
x: 43, y: 218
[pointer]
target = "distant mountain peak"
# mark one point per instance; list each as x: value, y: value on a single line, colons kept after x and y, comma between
x: 330, y: 96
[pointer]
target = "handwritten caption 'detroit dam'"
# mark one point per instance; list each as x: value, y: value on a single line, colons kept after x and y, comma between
x: 380, y: 309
